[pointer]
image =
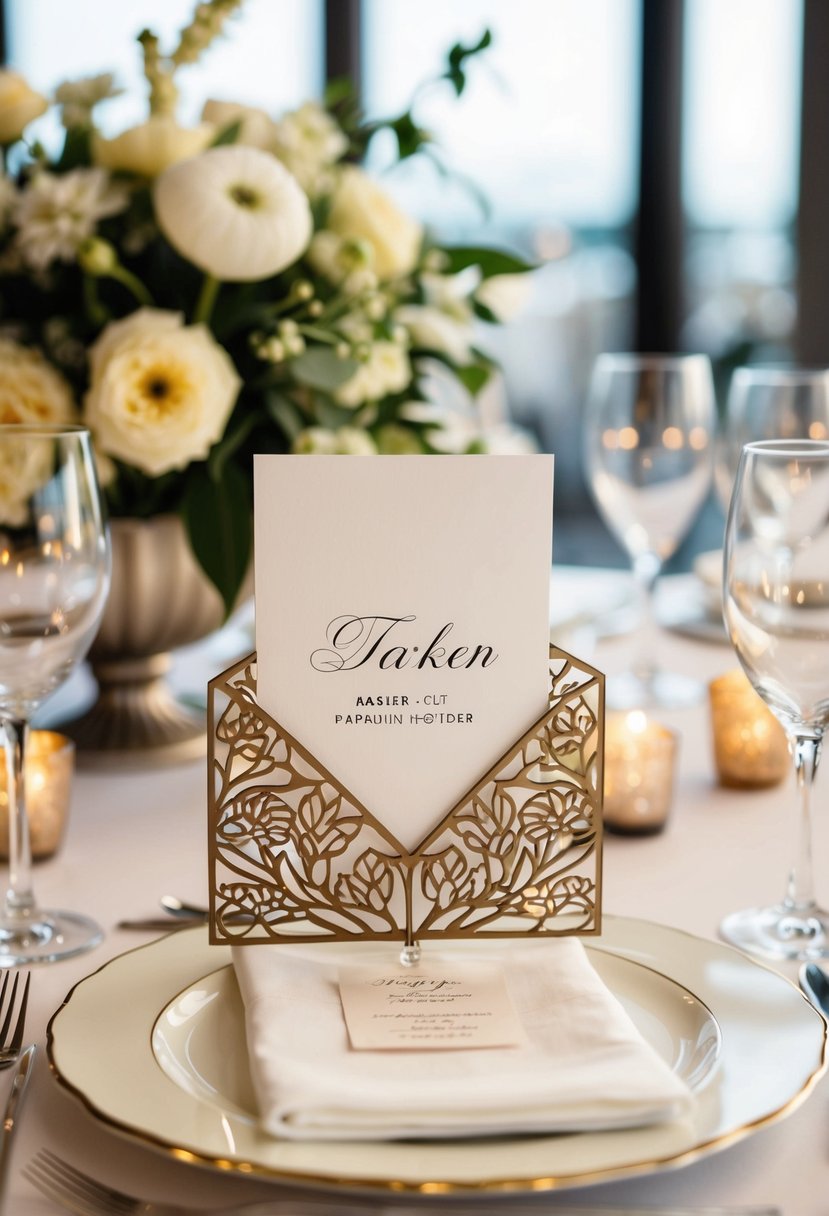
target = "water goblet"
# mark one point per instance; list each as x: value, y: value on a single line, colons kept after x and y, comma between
x: 769, y: 403
x: 776, y: 609
x: 54, y: 577
x: 649, y: 459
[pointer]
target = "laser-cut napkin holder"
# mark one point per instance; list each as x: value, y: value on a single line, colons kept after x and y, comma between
x: 294, y: 856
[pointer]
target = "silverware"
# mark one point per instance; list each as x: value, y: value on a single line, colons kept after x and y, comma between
x: 83, y: 1195
x: 815, y: 984
x: 11, y: 1116
x: 11, y: 1030
x: 161, y: 924
x: 176, y: 907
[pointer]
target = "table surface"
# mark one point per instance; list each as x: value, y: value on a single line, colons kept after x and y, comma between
x: 135, y: 835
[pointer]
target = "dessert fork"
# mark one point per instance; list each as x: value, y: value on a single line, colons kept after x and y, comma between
x: 11, y: 1030
x: 79, y: 1193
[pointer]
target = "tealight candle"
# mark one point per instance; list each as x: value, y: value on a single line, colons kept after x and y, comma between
x: 750, y: 746
x: 639, y: 773
x: 49, y: 763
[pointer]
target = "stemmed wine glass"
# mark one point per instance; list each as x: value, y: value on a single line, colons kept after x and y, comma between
x: 769, y: 403
x: 776, y: 608
x: 54, y: 577
x: 649, y: 457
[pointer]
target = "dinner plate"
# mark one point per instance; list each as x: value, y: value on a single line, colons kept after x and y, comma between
x: 109, y: 1045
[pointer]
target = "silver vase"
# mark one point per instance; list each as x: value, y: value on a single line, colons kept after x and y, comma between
x: 159, y: 600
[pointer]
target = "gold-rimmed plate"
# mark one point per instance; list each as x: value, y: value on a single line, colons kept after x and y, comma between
x: 109, y: 1051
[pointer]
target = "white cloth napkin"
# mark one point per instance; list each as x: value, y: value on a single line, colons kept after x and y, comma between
x: 585, y: 1066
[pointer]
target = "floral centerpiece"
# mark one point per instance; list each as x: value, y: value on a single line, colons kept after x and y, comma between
x: 195, y: 294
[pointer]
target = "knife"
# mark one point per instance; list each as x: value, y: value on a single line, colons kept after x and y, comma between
x: 11, y: 1120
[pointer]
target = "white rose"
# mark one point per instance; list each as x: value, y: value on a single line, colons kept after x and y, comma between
x: 361, y: 211
x: 434, y: 330
x: 505, y: 295
x: 151, y: 147
x: 19, y: 105
x: 351, y: 441
x: 256, y: 128
x: 160, y: 393
x: 386, y: 370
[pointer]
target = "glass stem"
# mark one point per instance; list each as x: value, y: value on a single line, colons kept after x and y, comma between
x: 20, y: 900
x: 800, y: 889
x: 646, y: 567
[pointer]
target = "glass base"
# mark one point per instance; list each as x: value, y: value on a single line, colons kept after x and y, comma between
x: 662, y: 690
x: 779, y: 932
x: 47, y: 937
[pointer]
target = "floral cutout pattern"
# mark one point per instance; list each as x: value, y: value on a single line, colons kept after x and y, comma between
x: 294, y: 854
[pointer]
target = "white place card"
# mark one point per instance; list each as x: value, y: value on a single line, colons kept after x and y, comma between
x: 429, y: 1008
x: 402, y: 618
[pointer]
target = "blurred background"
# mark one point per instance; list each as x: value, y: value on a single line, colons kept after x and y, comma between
x: 666, y: 162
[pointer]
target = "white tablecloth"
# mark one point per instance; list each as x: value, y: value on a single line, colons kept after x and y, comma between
x: 134, y: 836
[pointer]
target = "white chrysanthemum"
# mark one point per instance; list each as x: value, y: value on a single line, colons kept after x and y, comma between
x: 308, y: 142
x: 55, y: 212
x: 161, y: 392
x: 386, y: 370
x: 31, y: 391
x: 236, y: 213
x: 152, y: 146
x: 433, y: 330
x: 505, y: 295
x: 19, y: 105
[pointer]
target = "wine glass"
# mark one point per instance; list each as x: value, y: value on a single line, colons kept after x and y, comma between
x: 649, y: 458
x: 54, y: 577
x: 776, y: 608
x: 769, y: 403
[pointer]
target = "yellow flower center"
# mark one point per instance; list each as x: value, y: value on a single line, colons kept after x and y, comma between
x: 160, y: 393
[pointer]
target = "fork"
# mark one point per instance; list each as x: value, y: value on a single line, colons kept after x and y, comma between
x: 11, y: 1036
x: 79, y: 1193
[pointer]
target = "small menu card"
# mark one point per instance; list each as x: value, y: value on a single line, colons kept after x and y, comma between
x: 429, y: 1008
x: 402, y: 618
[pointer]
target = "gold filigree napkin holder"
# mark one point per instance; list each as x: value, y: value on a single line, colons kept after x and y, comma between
x: 294, y: 856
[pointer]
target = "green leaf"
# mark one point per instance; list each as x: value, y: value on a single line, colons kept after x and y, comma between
x: 77, y: 149
x: 338, y: 90
x: 474, y: 377
x: 322, y: 369
x: 230, y: 443
x: 490, y: 261
x: 218, y: 517
x: 410, y: 137
x: 228, y: 134
x: 456, y: 60
x: 285, y: 414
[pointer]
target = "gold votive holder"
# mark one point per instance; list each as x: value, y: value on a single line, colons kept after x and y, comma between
x: 49, y: 763
x: 640, y: 761
x: 750, y: 745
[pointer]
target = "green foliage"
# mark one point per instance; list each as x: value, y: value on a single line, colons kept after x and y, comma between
x: 217, y: 514
x: 457, y: 60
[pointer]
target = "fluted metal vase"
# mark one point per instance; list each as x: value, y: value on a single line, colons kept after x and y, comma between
x: 159, y: 600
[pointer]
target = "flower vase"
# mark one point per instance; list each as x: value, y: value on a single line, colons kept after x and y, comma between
x: 159, y: 600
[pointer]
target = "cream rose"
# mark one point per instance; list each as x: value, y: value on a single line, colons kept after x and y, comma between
x: 160, y: 393
x: 151, y: 147
x: 308, y: 142
x: 256, y: 128
x: 31, y: 391
x: 361, y: 211
x: 19, y: 105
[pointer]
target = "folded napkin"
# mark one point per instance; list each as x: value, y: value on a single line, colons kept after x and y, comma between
x: 584, y: 1066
